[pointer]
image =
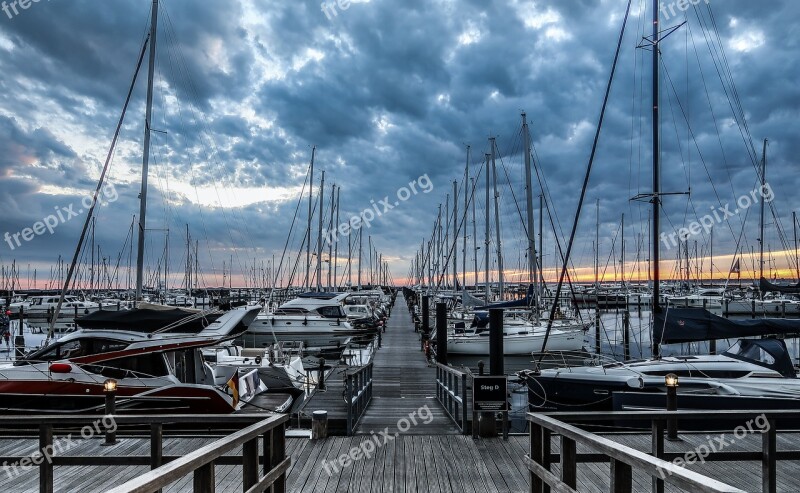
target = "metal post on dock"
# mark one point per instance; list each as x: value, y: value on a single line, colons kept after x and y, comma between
x: 626, y: 334
x: 481, y: 365
x: 671, y: 381
x: 426, y: 325
x: 110, y: 388
x: 496, y: 341
x: 441, y: 333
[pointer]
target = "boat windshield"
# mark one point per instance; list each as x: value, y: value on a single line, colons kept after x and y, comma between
x: 752, y: 353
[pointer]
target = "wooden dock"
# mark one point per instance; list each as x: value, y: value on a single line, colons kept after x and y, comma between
x: 409, y: 463
x: 404, y: 384
x: 405, y: 442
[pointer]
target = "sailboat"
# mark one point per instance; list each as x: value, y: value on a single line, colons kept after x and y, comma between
x: 524, y: 331
x: 752, y: 374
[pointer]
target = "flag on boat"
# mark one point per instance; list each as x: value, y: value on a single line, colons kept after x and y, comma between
x: 233, y: 384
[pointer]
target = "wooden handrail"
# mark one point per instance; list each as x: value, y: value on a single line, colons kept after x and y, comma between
x: 623, y: 460
x: 201, y: 461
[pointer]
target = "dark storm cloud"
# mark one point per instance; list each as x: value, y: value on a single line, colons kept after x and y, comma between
x: 388, y: 91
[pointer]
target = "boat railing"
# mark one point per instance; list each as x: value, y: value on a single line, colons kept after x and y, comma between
x: 245, y: 440
x: 570, y: 359
x: 661, y: 466
x: 451, y: 392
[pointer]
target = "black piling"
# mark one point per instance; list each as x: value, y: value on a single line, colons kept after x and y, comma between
x: 426, y: 323
x: 496, y: 366
x: 441, y: 333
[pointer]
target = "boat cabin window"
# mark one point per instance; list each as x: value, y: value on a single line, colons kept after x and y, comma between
x: 331, y: 311
x: 75, y: 349
x: 142, y: 366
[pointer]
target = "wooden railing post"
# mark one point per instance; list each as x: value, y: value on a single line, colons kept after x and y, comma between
x: 204, y: 481
x: 279, y: 452
x: 621, y: 477
x: 769, y: 449
x: 546, y: 434
x: 249, y: 464
x: 349, y: 390
x: 156, y: 446
x: 537, y: 485
x: 569, y: 462
x: 464, y: 403
x: 46, y: 466
x: 657, y: 450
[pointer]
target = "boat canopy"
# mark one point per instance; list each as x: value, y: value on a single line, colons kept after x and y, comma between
x: 148, y: 319
x: 765, y: 285
x: 771, y: 353
x: 676, y: 325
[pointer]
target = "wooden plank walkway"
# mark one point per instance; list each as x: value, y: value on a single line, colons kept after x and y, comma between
x: 404, y: 385
x: 407, y: 463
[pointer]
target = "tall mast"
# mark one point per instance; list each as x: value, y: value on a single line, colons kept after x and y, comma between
x: 330, y: 228
x: 761, y: 222
x: 486, y: 237
x: 529, y: 201
x: 656, y: 172
x: 319, y: 232
x: 455, y: 233
x: 336, y: 245
x: 146, y: 151
x: 597, y: 246
x: 474, y: 236
x: 541, y: 246
x: 794, y: 228
x: 360, y: 244
x: 497, y: 224
x: 467, y: 192
x: 711, y: 248
x: 310, y: 214
x: 622, y: 253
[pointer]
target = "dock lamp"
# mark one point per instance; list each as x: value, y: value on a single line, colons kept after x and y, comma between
x: 671, y: 381
x: 110, y: 389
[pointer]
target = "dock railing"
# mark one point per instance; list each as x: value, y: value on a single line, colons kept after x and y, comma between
x: 656, y: 463
x: 451, y: 392
x: 358, y: 394
x: 53, y: 430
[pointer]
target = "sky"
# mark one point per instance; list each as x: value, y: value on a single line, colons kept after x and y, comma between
x: 390, y: 94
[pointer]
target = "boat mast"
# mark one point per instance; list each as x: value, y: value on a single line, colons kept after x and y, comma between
x: 467, y: 193
x: 761, y: 222
x: 597, y: 248
x: 794, y: 227
x: 541, y: 247
x: 336, y: 245
x: 474, y: 237
x: 360, y: 244
x: 487, y: 157
x: 330, y: 228
x: 497, y: 223
x: 310, y: 214
x: 319, y: 232
x: 529, y: 203
x: 656, y: 172
x: 711, y: 248
x: 455, y: 233
x: 146, y: 152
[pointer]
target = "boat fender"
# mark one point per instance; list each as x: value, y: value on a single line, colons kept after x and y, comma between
x: 272, y: 320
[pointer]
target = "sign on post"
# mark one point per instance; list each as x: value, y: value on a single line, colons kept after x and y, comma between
x: 490, y: 393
